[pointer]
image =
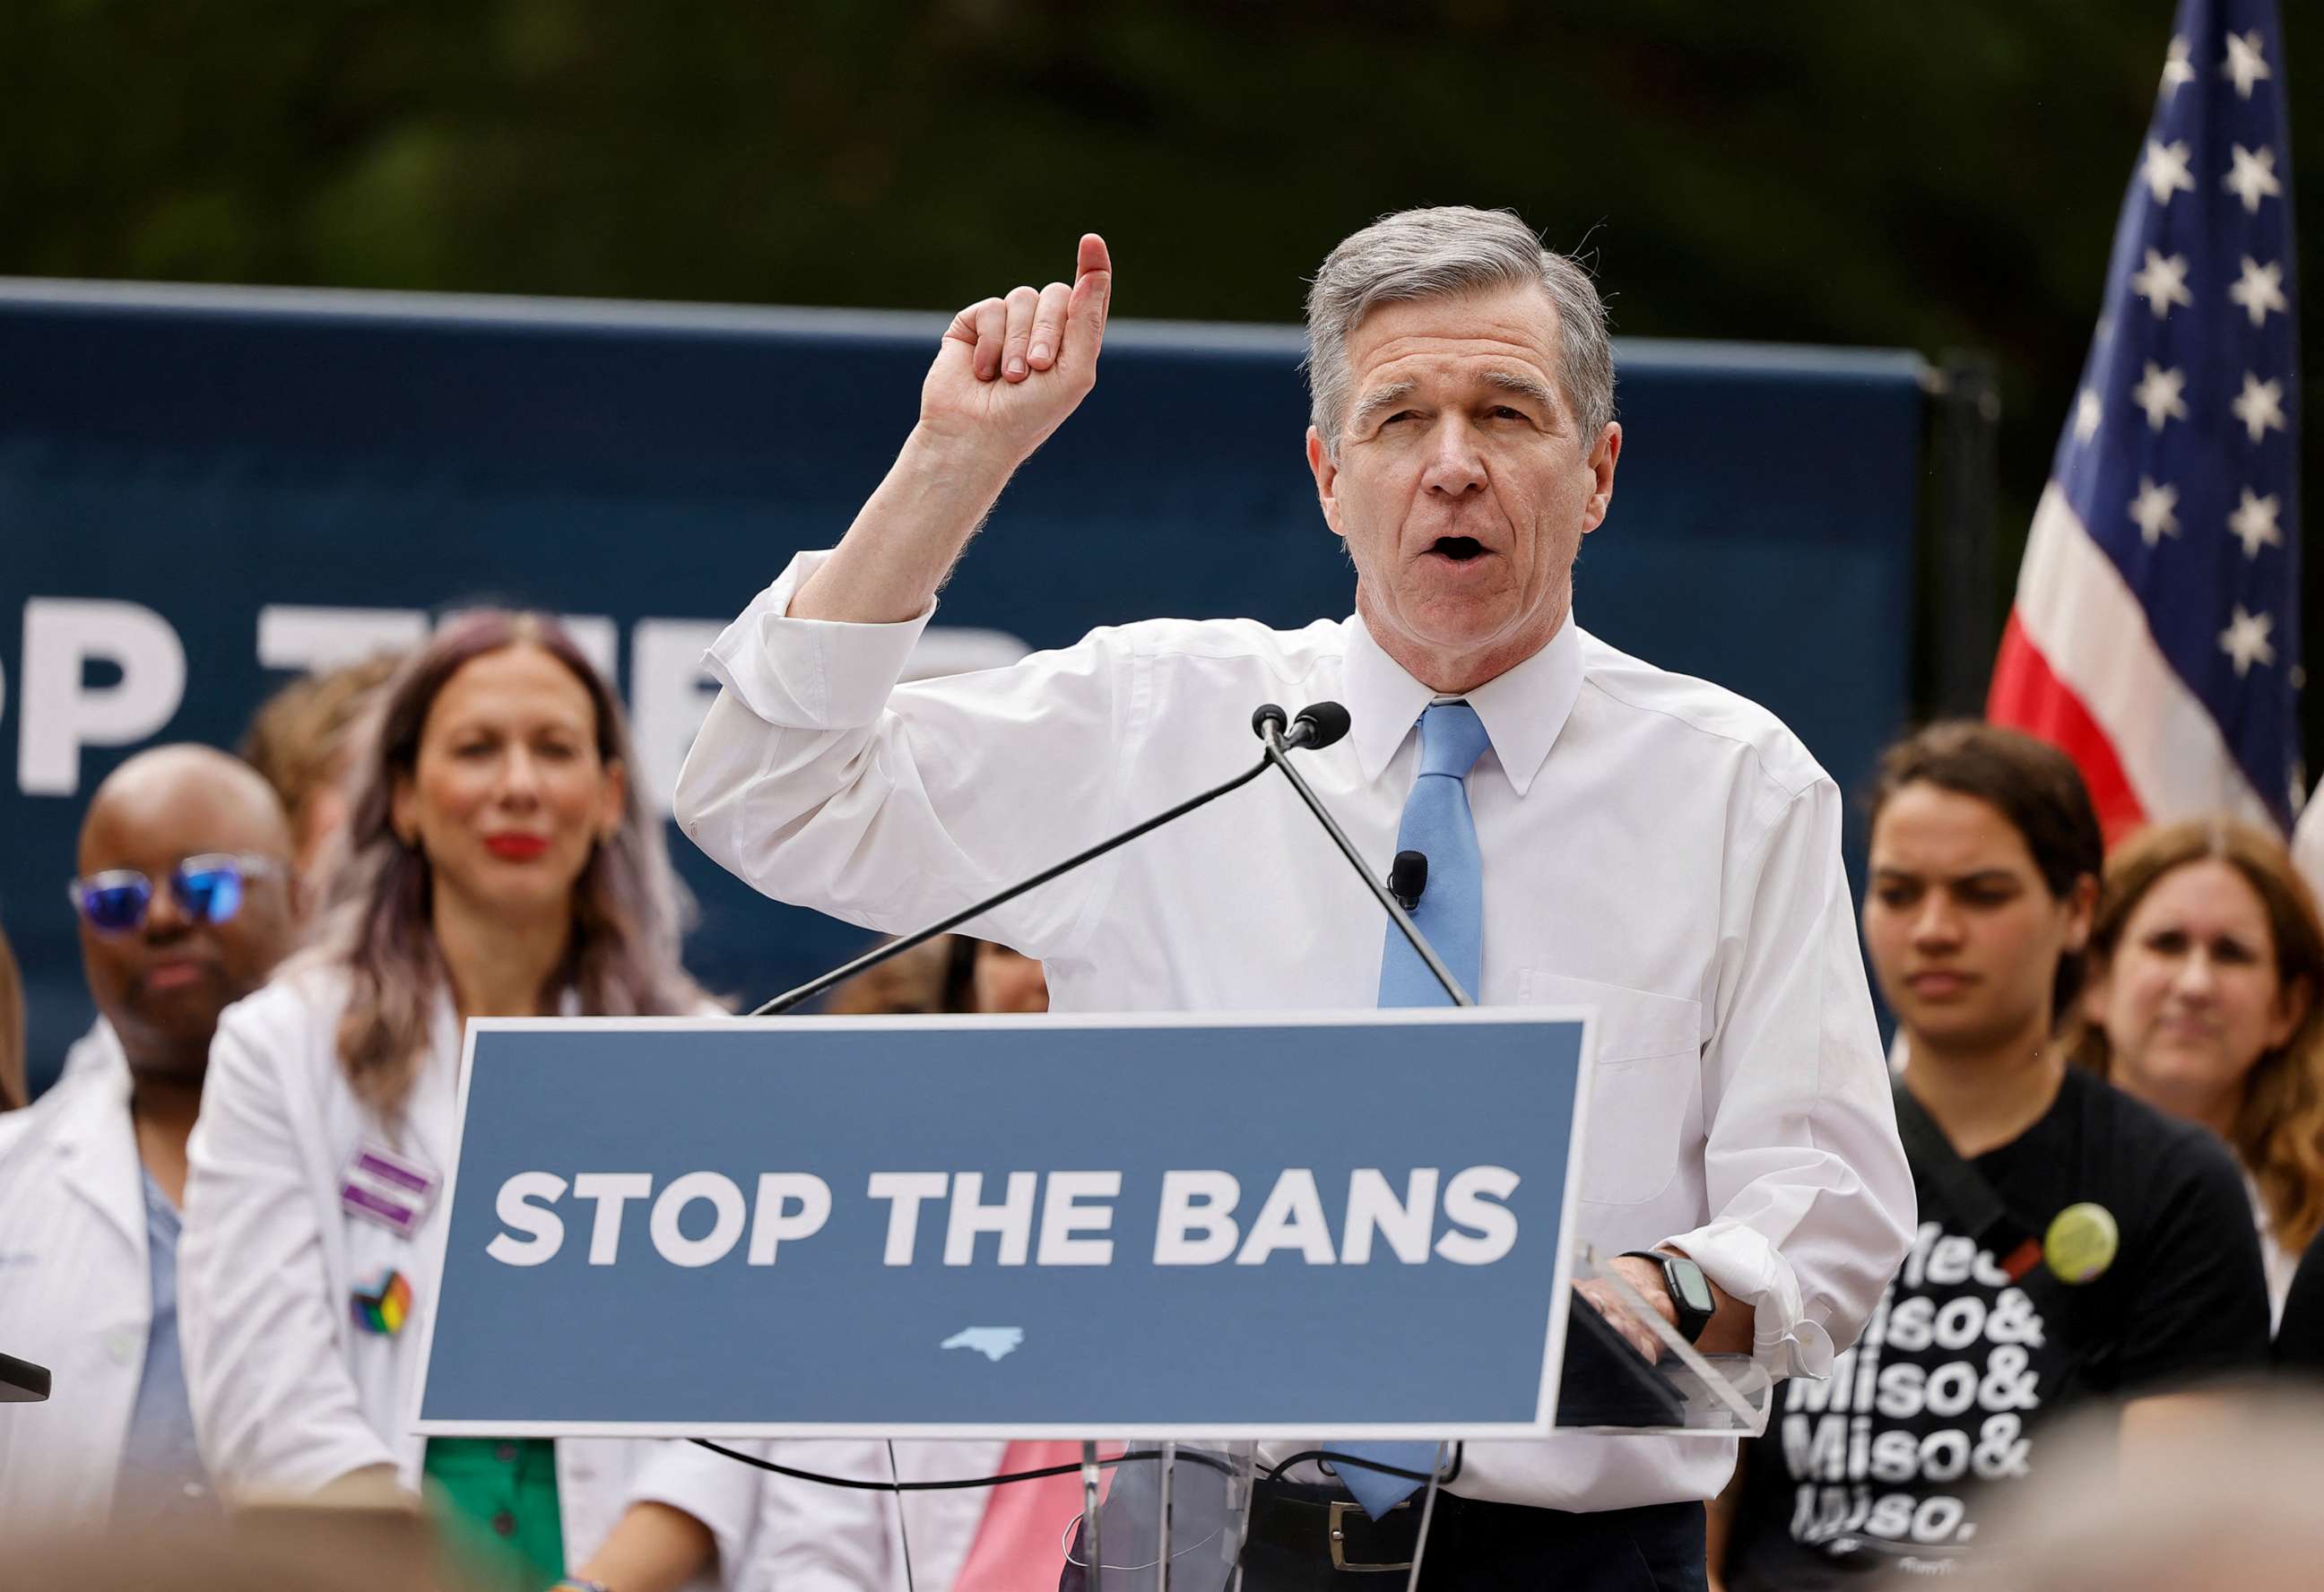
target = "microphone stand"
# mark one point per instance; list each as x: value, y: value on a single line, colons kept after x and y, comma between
x: 873, y: 958
x: 1278, y: 752
x: 1310, y: 731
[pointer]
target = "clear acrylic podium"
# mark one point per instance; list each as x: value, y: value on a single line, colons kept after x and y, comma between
x: 1174, y: 1517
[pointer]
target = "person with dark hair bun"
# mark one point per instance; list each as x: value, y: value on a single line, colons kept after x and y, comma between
x: 2074, y: 1244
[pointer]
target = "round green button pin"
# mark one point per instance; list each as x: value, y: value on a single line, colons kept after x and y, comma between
x: 2081, y: 1243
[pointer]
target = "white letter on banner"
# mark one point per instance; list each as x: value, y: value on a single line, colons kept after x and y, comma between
x: 58, y: 715
x: 1292, y: 1219
x: 1061, y: 1219
x: 670, y: 693
x: 1469, y: 1203
x: 543, y: 1228
x: 906, y: 1190
x: 1406, y: 1225
x: 595, y: 635
x: 292, y: 636
x: 769, y: 1226
x: 1012, y: 1219
x: 724, y: 1198
x: 611, y: 1191
x: 1196, y: 1226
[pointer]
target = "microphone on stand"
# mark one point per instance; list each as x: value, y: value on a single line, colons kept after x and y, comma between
x: 1318, y: 725
x: 1407, y: 877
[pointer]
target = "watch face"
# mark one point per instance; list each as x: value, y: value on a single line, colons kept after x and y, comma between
x: 1693, y: 1289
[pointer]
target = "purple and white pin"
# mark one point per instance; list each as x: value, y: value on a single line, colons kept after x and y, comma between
x: 383, y: 1187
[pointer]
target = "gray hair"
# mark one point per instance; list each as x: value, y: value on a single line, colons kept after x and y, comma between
x: 1441, y: 253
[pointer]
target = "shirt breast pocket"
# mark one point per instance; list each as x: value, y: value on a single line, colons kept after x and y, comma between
x: 1643, y: 1079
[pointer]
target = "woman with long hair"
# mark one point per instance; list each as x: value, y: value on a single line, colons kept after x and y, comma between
x: 2075, y: 1246
x: 2206, y: 963
x: 499, y: 862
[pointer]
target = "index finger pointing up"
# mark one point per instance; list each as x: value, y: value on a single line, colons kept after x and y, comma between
x: 1092, y: 258
x: 1092, y: 296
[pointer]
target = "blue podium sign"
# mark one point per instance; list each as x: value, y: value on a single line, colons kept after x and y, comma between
x: 1333, y: 1225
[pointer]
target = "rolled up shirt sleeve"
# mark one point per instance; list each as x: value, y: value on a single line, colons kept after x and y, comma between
x: 1810, y: 1195
x: 820, y: 780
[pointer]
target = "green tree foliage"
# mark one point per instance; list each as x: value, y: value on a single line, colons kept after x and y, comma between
x: 1923, y: 173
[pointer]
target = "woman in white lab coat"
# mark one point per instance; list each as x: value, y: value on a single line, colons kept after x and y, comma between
x: 498, y: 863
x: 75, y: 1294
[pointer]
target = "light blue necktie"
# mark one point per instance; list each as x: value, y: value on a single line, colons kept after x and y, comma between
x: 1452, y: 915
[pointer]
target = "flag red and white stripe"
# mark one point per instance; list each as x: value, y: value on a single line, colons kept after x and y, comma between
x: 2080, y: 669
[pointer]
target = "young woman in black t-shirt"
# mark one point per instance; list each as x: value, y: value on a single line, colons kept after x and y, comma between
x: 2073, y: 1243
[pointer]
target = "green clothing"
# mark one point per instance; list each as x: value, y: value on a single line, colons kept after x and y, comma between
x: 496, y: 1501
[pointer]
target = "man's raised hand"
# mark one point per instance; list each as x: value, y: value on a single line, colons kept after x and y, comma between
x: 1010, y: 370
x: 1008, y: 373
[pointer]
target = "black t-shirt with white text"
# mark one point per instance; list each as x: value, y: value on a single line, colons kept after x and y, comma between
x: 1891, y: 1464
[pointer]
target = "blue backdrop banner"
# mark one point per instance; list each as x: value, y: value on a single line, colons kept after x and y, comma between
x: 203, y: 491
x: 1166, y: 1226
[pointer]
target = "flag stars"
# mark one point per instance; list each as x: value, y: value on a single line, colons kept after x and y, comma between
x: 2157, y: 510
x: 2261, y: 291
x: 2162, y: 394
x: 2245, y: 640
x: 2247, y: 62
x: 2165, y: 171
x: 2178, y: 68
x: 2087, y: 414
x: 2254, y: 522
x: 2260, y: 406
x: 2163, y: 282
x: 2253, y: 177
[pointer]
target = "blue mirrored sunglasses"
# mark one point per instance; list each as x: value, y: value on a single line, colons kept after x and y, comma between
x: 209, y: 888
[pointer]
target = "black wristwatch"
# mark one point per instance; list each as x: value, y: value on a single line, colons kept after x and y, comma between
x: 1688, y: 1288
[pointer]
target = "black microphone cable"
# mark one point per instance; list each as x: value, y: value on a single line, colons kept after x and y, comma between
x: 1127, y: 1456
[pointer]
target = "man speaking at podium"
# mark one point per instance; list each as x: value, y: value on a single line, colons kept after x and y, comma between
x: 1599, y: 831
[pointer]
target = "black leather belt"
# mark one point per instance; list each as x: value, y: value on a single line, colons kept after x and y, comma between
x: 1319, y: 1521
x: 1310, y: 1533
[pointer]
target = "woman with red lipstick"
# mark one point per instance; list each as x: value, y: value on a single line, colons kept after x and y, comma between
x: 2206, y: 960
x: 500, y: 862
x: 2075, y: 1246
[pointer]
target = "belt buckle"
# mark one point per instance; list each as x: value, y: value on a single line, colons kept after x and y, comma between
x: 1340, y: 1540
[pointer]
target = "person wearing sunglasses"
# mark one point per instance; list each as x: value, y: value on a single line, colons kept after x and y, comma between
x: 186, y: 904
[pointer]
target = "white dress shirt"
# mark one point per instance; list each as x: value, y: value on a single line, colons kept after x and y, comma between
x: 1654, y: 846
x: 2280, y: 1264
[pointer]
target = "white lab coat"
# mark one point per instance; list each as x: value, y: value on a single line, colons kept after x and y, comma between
x: 76, y: 1294
x: 288, y: 1393
x: 925, y: 1533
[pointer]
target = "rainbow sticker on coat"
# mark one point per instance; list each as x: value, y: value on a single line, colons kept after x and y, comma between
x: 383, y: 1305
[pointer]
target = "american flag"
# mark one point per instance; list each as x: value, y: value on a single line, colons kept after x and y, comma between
x: 2155, y: 635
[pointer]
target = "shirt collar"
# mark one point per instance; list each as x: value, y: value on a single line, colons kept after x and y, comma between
x: 1522, y: 708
